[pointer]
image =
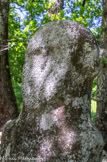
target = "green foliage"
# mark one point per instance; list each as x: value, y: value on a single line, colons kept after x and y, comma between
x: 94, y: 88
x: 103, y: 60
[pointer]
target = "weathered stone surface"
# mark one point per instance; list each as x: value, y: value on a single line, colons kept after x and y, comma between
x: 55, y: 125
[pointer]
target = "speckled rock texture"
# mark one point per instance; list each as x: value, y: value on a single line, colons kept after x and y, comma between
x: 55, y: 125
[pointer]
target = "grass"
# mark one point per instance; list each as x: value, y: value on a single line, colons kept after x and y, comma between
x: 93, y: 110
x: 18, y: 94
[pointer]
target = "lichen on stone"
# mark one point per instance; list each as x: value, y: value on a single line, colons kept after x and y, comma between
x: 55, y: 125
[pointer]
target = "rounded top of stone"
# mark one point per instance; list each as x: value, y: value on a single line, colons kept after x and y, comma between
x: 60, y: 33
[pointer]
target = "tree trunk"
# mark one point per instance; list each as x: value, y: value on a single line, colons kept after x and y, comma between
x: 58, y: 5
x: 8, y: 106
x: 101, y: 116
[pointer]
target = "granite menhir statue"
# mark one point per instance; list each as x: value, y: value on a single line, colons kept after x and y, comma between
x: 55, y: 125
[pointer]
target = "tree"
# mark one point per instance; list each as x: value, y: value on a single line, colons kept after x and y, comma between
x: 58, y: 5
x: 8, y: 106
x: 101, y: 116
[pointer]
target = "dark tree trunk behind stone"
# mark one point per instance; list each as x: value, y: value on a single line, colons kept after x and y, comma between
x: 8, y: 106
x: 101, y: 116
x: 58, y: 5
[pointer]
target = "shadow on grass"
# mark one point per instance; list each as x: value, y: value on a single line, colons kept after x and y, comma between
x: 93, y: 116
x: 18, y: 94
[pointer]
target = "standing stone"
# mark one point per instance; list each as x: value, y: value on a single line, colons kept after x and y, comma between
x: 55, y: 125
